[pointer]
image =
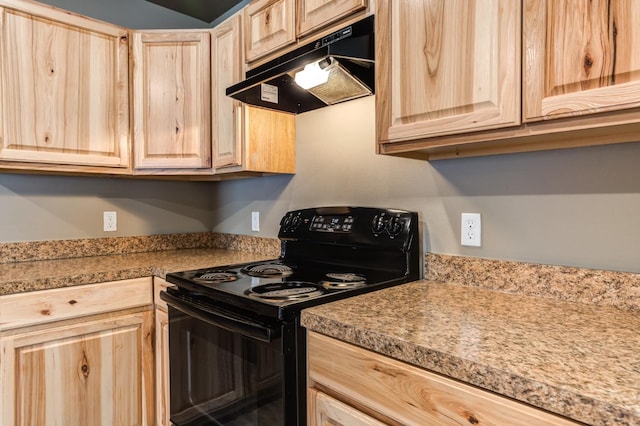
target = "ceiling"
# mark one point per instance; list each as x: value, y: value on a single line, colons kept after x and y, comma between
x: 204, y: 10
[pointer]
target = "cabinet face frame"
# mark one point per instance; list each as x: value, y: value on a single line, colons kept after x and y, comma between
x: 161, y: 352
x: 574, y: 64
x: 176, y: 132
x: 406, y: 107
x: 80, y: 120
x: 162, y: 367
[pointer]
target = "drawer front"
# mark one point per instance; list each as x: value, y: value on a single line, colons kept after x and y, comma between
x: 25, y: 309
x: 410, y: 395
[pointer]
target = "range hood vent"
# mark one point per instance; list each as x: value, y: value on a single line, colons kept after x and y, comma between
x: 345, y: 58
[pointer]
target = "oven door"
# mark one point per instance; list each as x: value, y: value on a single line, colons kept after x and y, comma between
x: 230, y: 369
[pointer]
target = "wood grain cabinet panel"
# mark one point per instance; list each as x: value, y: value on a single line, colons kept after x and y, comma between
x: 226, y: 69
x: 446, y: 67
x: 580, y: 57
x: 398, y: 393
x: 77, y: 356
x: 172, y: 101
x: 268, y: 142
x: 95, y: 372
x: 64, y: 90
x: 311, y: 15
x: 269, y: 25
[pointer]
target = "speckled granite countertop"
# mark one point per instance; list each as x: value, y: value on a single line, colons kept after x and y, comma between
x: 574, y: 359
x: 46, y: 274
x: 44, y: 265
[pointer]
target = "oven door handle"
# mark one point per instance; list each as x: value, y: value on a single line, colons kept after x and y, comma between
x: 226, y: 320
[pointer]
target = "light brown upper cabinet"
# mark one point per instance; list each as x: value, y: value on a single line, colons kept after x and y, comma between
x: 581, y: 57
x: 171, y: 101
x: 226, y: 69
x: 315, y: 14
x: 268, y: 143
x: 446, y: 67
x: 64, y: 91
x: 272, y: 25
x: 448, y: 76
x: 65, y: 100
x: 246, y: 139
x: 269, y: 25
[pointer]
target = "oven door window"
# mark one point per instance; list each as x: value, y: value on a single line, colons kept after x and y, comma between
x: 219, y: 377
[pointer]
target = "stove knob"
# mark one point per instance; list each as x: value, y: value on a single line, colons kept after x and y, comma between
x: 286, y: 223
x: 295, y: 222
x: 378, y: 224
x: 394, y: 227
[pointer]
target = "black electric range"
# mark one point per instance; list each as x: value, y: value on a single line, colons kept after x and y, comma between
x: 327, y: 253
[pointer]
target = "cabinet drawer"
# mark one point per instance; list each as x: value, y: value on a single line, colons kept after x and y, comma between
x: 25, y: 309
x: 407, y: 394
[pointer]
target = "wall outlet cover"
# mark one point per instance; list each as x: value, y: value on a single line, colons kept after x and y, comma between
x: 471, y: 230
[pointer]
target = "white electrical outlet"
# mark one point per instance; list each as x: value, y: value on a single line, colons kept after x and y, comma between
x: 471, y: 230
x: 110, y: 221
x: 255, y: 221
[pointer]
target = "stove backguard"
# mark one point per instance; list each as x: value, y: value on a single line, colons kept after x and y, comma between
x: 363, y: 237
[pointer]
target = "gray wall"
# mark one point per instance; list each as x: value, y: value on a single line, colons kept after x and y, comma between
x: 42, y: 207
x: 569, y: 207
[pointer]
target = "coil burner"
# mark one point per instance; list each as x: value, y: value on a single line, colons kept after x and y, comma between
x: 286, y: 291
x: 215, y: 277
x: 268, y: 270
x: 342, y: 281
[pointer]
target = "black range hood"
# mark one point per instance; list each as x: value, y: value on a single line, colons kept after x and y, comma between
x: 348, y: 53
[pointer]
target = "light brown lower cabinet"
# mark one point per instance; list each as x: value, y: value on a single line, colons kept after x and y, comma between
x: 349, y: 385
x: 78, y: 356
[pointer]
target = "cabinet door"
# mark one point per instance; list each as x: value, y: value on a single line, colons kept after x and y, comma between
x: 171, y: 90
x: 315, y: 14
x: 64, y: 89
x: 446, y: 67
x: 269, y: 25
x: 226, y: 69
x: 580, y: 57
x: 97, y: 372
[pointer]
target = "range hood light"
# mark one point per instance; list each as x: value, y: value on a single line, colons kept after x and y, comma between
x: 314, y: 74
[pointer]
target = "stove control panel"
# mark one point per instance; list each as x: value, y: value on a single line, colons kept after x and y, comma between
x: 363, y: 226
x: 323, y: 223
